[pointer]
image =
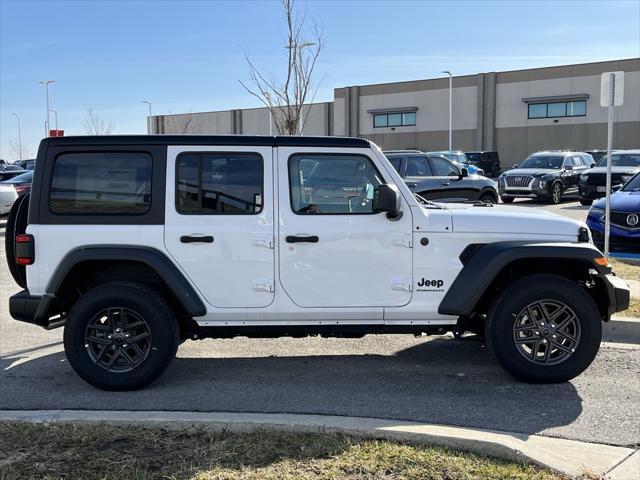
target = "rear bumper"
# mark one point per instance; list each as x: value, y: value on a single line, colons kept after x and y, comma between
x: 618, y: 292
x: 35, y: 309
x: 589, y: 192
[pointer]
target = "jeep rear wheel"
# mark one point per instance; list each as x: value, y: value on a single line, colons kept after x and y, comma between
x: 544, y: 329
x: 120, y: 336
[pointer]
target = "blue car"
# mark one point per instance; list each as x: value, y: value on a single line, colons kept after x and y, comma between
x: 625, y: 218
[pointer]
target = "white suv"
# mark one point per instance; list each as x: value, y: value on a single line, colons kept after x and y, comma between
x: 136, y: 243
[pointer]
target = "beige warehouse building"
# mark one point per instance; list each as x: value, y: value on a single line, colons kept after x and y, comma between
x: 514, y: 112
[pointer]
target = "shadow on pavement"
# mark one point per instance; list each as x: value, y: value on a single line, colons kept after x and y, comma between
x: 438, y: 381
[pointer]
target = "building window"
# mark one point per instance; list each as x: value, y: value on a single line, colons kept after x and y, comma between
x: 577, y: 108
x: 219, y: 183
x: 101, y: 183
x: 394, y: 119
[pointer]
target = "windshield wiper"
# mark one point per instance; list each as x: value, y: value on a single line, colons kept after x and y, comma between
x: 427, y: 203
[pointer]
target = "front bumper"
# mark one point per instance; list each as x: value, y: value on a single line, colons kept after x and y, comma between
x: 618, y: 292
x: 35, y: 309
x: 511, y: 193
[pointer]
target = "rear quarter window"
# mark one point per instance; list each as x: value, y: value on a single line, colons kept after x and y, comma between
x: 101, y: 183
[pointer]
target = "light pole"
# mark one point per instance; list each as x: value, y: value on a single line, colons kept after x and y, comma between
x: 149, y: 104
x: 46, y: 90
x: 19, y: 136
x: 299, y: 47
x: 55, y: 116
x: 450, y: 107
x: 149, y: 130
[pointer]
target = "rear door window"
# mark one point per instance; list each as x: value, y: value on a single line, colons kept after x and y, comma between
x: 418, y: 167
x: 443, y: 168
x: 101, y: 183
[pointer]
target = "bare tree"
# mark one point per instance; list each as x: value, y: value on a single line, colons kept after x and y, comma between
x: 179, y: 124
x: 17, y: 152
x: 286, y: 98
x: 96, y: 125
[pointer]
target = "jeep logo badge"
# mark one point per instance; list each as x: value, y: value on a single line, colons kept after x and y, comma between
x: 632, y: 220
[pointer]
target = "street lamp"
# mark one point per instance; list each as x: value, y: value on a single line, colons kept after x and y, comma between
x: 55, y: 113
x: 450, y: 107
x: 46, y: 90
x: 19, y: 136
x: 149, y: 104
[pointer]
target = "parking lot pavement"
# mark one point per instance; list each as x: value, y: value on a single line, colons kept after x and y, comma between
x: 437, y: 380
x: 571, y: 209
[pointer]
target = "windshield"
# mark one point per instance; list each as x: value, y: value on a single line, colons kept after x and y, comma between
x: 474, y: 157
x: 543, y: 161
x: 633, y: 185
x: 621, y: 160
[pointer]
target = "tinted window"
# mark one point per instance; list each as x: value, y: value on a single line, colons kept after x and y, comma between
x: 633, y: 185
x: 576, y: 108
x: 418, y: 167
x: 557, y: 109
x: 621, y: 160
x: 538, y: 110
x: 379, y: 120
x: 394, y: 119
x: 409, y: 118
x: 443, y: 168
x: 219, y: 183
x: 337, y: 184
x: 395, y: 163
x: 101, y: 183
x: 577, y: 162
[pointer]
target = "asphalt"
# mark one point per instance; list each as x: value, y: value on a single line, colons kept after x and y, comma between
x: 432, y: 380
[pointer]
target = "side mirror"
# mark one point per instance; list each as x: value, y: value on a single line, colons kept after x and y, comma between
x: 386, y: 198
x: 464, y: 172
x: 615, y: 188
x: 516, y: 165
x: 593, y: 165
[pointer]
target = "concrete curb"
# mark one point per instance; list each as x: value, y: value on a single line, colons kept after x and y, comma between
x: 568, y: 457
x: 621, y: 330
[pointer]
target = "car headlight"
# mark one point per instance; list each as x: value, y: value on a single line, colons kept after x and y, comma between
x: 584, y: 177
x: 543, y: 183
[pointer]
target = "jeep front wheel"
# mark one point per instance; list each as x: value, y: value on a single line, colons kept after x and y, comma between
x: 120, y: 336
x: 544, y: 329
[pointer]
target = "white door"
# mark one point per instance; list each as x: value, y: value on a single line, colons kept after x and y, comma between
x: 334, y: 251
x: 219, y: 222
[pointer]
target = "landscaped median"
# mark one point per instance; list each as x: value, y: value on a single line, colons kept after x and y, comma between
x: 217, y: 445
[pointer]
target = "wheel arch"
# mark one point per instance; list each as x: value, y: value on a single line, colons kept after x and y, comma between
x: 90, y: 266
x: 488, y: 268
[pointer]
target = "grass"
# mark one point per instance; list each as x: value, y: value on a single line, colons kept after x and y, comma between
x: 628, y: 271
x: 124, y: 452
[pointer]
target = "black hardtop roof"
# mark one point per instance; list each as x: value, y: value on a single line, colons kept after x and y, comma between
x: 242, y: 140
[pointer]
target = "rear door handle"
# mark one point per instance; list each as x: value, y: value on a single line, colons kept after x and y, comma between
x: 302, y: 238
x: 196, y: 239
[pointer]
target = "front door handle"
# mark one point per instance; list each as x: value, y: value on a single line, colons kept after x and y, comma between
x: 196, y: 239
x: 302, y: 238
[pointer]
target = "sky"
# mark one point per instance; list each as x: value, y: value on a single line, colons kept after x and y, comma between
x: 188, y: 56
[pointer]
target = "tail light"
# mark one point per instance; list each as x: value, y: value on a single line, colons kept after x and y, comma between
x: 22, y: 188
x: 25, y: 249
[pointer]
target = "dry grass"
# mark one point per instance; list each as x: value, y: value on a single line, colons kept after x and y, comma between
x: 109, y: 452
x: 626, y: 270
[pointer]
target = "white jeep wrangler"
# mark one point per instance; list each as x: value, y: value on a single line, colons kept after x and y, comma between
x: 136, y: 243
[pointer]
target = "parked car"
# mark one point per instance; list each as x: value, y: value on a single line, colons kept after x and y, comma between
x: 624, y: 234
x: 10, y: 171
x: 26, y: 164
x: 597, y: 154
x: 544, y: 175
x: 461, y: 161
x: 487, y: 161
x: 21, y: 183
x: 434, y: 177
x: 593, y: 183
x: 134, y: 244
x: 8, y: 195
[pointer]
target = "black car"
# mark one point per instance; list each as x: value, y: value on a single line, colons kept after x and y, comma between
x: 9, y: 171
x: 593, y: 183
x: 487, y: 161
x: 544, y: 175
x: 434, y: 177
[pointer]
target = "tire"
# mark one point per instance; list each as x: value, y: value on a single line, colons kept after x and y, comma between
x: 578, y: 329
x: 555, y: 195
x: 506, y: 199
x: 488, y: 197
x: 17, y: 222
x: 154, y: 351
x: 585, y: 202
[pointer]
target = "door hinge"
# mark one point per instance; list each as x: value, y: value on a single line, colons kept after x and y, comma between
x: 263, y: 285
x: 405, y: 284
x: 403, y: 240
x: 263, y: 242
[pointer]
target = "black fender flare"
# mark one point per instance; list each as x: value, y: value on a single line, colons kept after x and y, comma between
x: 482, y: 263
x: 153, y: 258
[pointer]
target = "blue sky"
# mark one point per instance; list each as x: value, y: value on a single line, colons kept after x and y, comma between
x: 188, y: 56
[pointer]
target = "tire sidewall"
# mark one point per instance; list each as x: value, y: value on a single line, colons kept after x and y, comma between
x: 164, y: 335
x: 505, y: 310
x: 551, y: 197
